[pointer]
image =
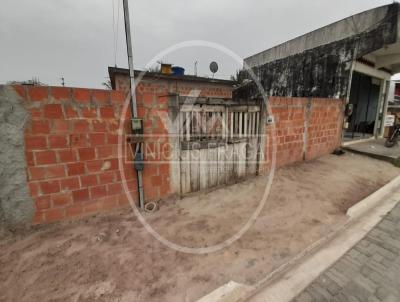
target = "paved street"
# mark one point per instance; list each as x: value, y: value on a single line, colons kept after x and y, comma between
x: 368, y: 272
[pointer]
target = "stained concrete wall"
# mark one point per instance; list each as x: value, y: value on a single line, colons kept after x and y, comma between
x: 16, y: 206
x: 316, y: 65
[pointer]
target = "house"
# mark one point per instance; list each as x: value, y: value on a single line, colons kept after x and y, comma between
x: 181, y: 83
x: 352, y: 59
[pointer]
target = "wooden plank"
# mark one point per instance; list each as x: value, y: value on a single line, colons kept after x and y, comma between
x: 240, y: 124
x: 204, y: 108
x: 212, y: 166
x: 229, y: 164
x: 251, y: 164
x: 253, y: 124
x: 194, y: 170
x: 221, y: 165
x: 257, y: 122
x: 188, y: 126
x: 241, y: 157
x: 185, y: 172
x: 203, y: 169
x: 245, y: 125
x: 231, y: 124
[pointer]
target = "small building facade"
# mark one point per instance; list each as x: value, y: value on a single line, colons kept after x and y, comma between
x: 352, y: 59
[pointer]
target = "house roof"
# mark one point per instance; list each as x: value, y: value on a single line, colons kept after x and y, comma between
x: 112, y: 71
x: 346, y: 28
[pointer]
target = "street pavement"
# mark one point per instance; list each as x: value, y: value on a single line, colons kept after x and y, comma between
x: 369, y: 272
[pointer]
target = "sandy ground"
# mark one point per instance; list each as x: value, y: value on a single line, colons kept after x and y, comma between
x: 113, y: 258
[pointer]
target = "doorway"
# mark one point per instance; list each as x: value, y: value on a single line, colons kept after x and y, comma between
x: 364, y: 96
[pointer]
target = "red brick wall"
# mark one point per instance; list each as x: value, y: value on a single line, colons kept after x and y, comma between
x: 305, y: 128
x: 71, y: 142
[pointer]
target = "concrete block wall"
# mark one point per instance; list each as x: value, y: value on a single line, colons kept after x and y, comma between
x: 71, y: 148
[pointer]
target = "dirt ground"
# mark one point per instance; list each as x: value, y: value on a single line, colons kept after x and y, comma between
x: 112, y: 257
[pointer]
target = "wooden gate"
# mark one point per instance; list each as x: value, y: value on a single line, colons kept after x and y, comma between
x: 218, y: 144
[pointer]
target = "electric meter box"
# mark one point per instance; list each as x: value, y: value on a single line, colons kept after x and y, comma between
x: 137, y: 126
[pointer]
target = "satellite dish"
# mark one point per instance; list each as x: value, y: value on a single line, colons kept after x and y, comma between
x: 213, y: 67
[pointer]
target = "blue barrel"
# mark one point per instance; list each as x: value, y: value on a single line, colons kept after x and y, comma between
x: 178, y: 71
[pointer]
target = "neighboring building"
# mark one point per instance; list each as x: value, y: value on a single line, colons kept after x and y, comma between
x: 183, y: 85
x: 352, y: 59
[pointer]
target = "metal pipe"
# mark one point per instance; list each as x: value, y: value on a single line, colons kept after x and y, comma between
x: 133, y: 93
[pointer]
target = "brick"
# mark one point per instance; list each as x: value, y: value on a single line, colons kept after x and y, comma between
x: 34, y: 189
x: 113, y: 126
x: 99, y: 126
x: 35, y: 142
x: 78, y: 140
x: 40, y: 127
x: 98, y: 192
x: 81, y: 95
x: 114, y: 189
x: 156, y: 181
x: 81, y: 126
x: 80, y: 195
x: 69, y: 184
x: 61, y: 199
x: 117, y: 96
x: 76, y: 169
x: 107, y: 112
x: 60, y: 126
x: 74, y: 210
x: 36, y: 113
x: 36, y: 173
x: 30, y: 159
x: 148, y: 99
x: 42, y: 202
x: 37, y: 218
x: 57, y: 171
x: 58, y: 141
x: 123, y: 200
x: 70, y: 112
x: 91, y: 207
x: 97, y: 139
x: 101, y: 96
x: 61, y: 93
x: 109, y: 202
x: 95, y: 166
x: 106, y: 151
x: 45, y: 157
x: 54, y: 215
x: 38, y: 93
x: 53, y: 111
x: 86, y: 154
x: 89, y: 112
x: 89, y: 180
x: 106, y: 177
x: 50, y: 187
x: 66, y: 155
x: 112, y: 139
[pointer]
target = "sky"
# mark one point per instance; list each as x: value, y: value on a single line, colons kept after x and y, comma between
x: 76, y: 39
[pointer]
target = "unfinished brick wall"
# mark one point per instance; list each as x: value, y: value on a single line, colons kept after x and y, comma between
x: 306, y: 128
x: 71, y: 142
x: 71, y: 145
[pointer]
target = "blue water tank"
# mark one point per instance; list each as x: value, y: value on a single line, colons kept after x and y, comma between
x: 178, y: 71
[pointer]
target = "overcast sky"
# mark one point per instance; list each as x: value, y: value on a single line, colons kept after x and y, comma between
x: 75, y: 38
